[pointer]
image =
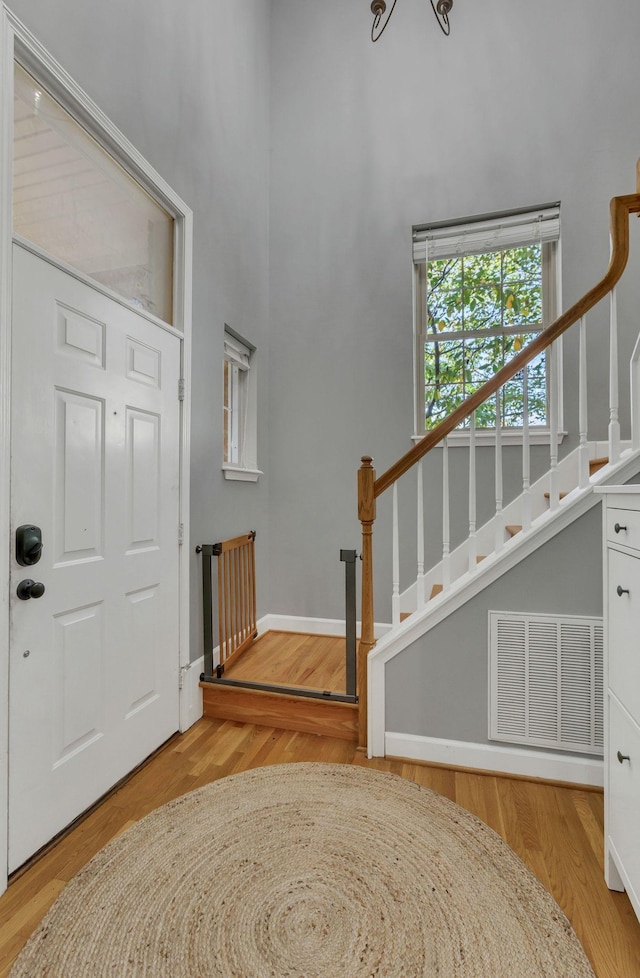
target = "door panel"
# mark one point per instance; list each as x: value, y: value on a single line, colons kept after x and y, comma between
x: 143, y: 479
x: 78, y: 714
x: 95, y: 448
x: 79, y: 488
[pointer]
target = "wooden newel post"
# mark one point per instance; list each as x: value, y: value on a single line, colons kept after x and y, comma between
x: 366, y: 515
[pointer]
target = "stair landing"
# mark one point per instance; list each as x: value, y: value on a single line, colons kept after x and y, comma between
x: 290, y: 659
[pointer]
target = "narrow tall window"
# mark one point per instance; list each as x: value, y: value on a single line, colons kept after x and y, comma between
x: 239, y: 409
x: 484, y: 289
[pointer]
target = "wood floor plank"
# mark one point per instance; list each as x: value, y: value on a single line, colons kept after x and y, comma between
x: 519, y: 824
x: 293, y: 659
x: 557, y: 831
x: 478, y: 794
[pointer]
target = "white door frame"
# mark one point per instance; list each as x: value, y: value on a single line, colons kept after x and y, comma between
x: 16, y: 42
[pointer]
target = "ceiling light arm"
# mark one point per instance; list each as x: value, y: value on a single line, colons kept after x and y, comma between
x: 441, y: 9
x: 378, y: 9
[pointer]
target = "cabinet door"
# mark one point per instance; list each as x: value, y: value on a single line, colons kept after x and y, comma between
x: 624, y: 798
x: 624, y: 629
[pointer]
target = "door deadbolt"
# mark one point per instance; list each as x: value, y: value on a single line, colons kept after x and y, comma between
x: 29, y: 589
x: 28, y: 545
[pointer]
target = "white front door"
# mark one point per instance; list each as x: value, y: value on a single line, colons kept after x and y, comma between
x: 95, y: 465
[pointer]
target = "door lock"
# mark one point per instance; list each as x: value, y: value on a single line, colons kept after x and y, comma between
x: 28, y: 545
x: 29, y: 589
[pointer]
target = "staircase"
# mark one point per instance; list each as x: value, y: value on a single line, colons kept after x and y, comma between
x: 511, y: 529
x: 416, y: 621
x: 563, y: 494
x: 570, y: 504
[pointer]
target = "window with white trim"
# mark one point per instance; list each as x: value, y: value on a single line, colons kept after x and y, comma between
x: 484, y: 288
x: 239, y: 409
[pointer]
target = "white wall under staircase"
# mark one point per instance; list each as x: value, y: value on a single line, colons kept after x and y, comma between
x: 420, y: 654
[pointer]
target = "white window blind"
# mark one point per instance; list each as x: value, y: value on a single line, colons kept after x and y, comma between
x: 476, y: 236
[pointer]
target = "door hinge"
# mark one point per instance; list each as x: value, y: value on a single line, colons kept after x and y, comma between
x: 181, y: 389
x: 180, y: 534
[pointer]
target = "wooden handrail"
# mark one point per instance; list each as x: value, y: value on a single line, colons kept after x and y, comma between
x: 370, y: 487
x: 621, y: 208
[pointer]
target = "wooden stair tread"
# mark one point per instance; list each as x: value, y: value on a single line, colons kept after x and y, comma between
x: 284, y: 711
x: 597, y: 463
x: 404, y: 615
x: 561, y: 495
x: 436, y: 589
x: 513, y: 528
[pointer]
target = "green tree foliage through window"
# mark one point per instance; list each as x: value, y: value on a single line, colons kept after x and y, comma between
x: 480, y: 311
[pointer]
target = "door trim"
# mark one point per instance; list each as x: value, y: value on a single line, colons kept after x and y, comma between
x: 18, y: 43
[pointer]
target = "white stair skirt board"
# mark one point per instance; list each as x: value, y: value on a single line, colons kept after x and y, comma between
x: 502, y: 760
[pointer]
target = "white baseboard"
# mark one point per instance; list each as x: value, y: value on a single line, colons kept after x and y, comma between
x: 191, y: 694
x: 313, y: 626
x: 503, y: 760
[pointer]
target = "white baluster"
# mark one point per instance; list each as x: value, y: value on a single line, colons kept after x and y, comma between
x: 499, y: 488
x: 526, y: 453
x: 614, y: 423
x: 554, y: 491
x: 395, y: 595
x: 420, y: 595
x: 473, y: 542
x: 583, y: 448
x: 446, y: 528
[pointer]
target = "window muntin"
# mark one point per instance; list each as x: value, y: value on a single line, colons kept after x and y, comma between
x: 73, y: 199
x: 484, y: 289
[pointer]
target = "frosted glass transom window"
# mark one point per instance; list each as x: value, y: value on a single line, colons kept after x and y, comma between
x: 76, y: 202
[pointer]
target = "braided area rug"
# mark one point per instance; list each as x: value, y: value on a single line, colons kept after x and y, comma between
x: 305, y: 871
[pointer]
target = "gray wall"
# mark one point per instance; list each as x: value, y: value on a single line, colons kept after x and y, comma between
x: 438, y: 687
x: 523, y: 103
x: 307, y: 154
x: 188, y: 84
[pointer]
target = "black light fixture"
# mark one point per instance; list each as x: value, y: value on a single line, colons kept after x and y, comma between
x: 441, y: 9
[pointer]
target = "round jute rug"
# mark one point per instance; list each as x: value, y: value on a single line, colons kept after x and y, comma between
x: 305, y: 871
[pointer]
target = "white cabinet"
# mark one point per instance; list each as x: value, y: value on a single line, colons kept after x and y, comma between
x: 621, y: 573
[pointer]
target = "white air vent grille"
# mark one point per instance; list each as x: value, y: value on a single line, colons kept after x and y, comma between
x: 545, y: 683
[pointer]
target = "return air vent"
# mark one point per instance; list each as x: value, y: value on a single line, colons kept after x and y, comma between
x: 545, y: 682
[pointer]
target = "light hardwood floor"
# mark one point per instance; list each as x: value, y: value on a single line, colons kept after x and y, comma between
x: 556, y: 830
x: 293, y: 659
